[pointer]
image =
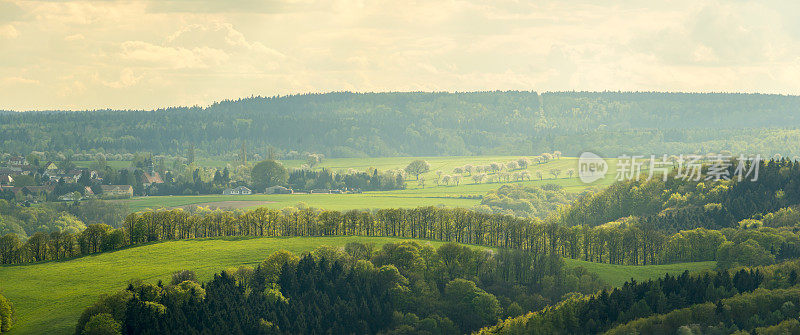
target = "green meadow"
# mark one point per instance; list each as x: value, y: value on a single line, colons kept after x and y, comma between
x: 466, y: 194
x: 50, y: 296
x: 616, y: 275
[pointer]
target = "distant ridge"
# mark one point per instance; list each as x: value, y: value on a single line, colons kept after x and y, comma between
x: 348, y: 124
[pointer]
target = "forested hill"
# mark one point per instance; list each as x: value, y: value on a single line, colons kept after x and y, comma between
x: 427, y: 124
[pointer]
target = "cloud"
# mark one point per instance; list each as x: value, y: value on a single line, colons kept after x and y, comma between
x: 75, y: 37
x: 8, y: 31
x: 19, y: 81
x: 126, y: 79
x: 145, y: 54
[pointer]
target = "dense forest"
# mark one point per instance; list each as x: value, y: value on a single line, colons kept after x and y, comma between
x: 760, y: 300
x: 680, y: 203
x: 425, y: 124
x: 401, y: 288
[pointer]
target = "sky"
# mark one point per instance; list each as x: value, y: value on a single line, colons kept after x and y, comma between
x: 151, y: 54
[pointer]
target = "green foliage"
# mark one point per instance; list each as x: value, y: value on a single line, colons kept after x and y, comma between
x: 426, y: 124
x: 269, y: 173
x: 271, y: 268
x: 526, y: 201
x: 469, y: 306
x: 747, y: 253
x: 634, y: 302
x: 6, y: 314
x: 102, y: 324
x: 760, y: 309
x: 328, y: 291
x: 182, y: 276
x: 417, y: 168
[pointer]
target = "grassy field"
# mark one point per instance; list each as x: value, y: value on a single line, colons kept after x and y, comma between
x: 50, y: 296
x: 326, y: 201
x: 463, y: 195
x: 616, y: 275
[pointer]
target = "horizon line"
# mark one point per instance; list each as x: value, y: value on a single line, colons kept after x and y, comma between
x: 291, y: 95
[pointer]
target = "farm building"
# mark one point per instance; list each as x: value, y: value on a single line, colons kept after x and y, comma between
x: 117, y: 191
x: 278, y: 190
x: 151, y: 178
x: 241, y: 190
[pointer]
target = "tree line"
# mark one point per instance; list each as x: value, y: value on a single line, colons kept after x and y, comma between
x: 638, y: 233
x: 621, y: 244
x: 345, y: 124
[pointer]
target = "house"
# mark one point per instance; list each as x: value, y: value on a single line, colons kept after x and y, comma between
x: 17, y: 160
x: 12, y: 171
x: 51, y: 168
x: 27, y: 169
x: 278, y: 190
x: 151, y: 178
x: 117, y: 191
x: 72, y: 196
x: 75, y: 174
x: 6, y: 179
x: 241, y: 190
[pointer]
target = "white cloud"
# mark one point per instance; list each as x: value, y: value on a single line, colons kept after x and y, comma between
x: 156, y: 56
x: 8, y: 31
x: 146, y: 54
x: 18, y: 81
x: 75, y: 37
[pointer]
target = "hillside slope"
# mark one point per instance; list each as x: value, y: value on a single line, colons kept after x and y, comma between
x: 50, y: 296
x: 426, y: 124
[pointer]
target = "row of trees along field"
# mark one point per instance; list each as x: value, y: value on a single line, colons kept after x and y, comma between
x: 615, y: 245
x: 426, y: 124
x: 650, y: 226
x: 760, y: 300
x: 401, y: 288
x: 513, y: 170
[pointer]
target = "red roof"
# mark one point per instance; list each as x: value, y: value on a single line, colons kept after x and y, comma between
x: 152, y: 178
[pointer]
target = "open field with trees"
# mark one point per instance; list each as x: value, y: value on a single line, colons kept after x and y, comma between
x: 546, y: 253
x: 465, y: 195
x: 628, y: 232
x: 49, y: 296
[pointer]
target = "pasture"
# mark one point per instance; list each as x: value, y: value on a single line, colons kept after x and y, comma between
x: 466, y: 194
x: 50, y: 296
